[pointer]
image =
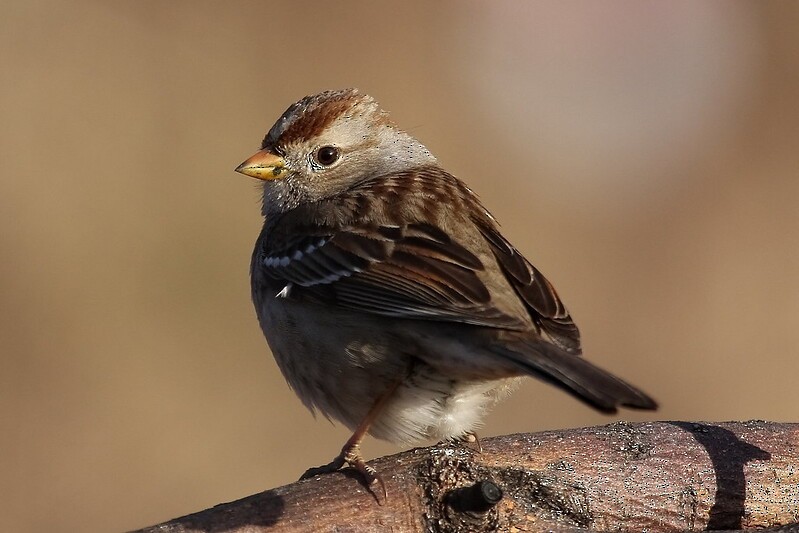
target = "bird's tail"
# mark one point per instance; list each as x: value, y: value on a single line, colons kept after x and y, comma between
x: 594, y: 386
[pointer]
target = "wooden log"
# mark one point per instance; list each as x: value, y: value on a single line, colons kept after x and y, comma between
x: 660, y: 476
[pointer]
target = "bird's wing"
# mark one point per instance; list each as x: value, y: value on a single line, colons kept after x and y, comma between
x: 542, y: 302
x: 410, y: 271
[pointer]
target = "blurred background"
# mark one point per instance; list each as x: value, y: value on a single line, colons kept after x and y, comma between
x: 645, y: 156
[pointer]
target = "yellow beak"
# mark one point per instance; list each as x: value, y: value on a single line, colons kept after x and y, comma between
x: 263, y: 165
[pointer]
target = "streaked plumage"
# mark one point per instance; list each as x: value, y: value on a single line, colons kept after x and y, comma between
x: 381, y: 277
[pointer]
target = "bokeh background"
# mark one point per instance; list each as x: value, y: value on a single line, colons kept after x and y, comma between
x: 644, y: 155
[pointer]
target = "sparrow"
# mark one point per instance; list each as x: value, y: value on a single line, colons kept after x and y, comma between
x: 386, y: 292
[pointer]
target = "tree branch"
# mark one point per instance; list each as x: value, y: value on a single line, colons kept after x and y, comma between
x: 660, y: 476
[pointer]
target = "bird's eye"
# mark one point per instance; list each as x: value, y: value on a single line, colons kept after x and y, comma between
x: 327, y: 155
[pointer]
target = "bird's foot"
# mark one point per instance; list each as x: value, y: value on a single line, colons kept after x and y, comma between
x: 468, y: 440
x: 351, y: 456
x: 332, y: 466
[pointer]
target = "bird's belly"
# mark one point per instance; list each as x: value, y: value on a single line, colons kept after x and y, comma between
x: 430, y: 405
x: 340, y: 368
x: 334, y: 364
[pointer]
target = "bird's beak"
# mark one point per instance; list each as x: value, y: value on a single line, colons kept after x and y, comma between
x: 263, y: 165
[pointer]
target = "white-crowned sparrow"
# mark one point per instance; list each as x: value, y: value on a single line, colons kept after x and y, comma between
x: 388, y: 296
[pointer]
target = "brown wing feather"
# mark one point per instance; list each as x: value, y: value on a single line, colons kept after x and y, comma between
x: 543, y: 303
x: 410, y: 271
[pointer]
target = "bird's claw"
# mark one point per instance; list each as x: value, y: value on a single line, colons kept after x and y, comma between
x: 352, y: 458
x: 468, y: 440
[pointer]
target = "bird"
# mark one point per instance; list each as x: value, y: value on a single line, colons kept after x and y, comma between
x: 387, y: 294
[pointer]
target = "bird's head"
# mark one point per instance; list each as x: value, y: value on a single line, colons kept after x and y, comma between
x: 326, y: 144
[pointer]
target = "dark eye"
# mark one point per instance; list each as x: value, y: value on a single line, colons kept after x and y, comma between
x: 327, y: 155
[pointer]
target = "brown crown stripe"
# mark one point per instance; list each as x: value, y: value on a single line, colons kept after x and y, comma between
x: 310, y: 116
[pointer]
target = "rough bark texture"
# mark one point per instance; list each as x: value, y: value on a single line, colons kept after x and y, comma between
x: 661, y: 476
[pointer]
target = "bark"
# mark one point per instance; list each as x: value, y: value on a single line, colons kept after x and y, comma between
x: 660, y: 476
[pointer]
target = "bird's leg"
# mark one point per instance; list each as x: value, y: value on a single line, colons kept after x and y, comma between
x: 469, y: 440
x: 351, y: 452
x: 472, y: 438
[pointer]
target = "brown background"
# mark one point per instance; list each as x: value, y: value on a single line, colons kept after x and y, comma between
x: 644, y: 156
